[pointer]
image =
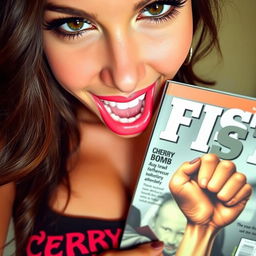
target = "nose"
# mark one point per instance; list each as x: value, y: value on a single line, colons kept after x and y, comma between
x: 124, y: 67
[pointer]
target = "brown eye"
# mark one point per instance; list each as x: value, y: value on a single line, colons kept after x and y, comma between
x: 75, y: 25
x: 155, y: 9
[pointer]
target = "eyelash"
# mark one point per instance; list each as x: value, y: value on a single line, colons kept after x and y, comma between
x: 174, y: 6
x: 56, y: 24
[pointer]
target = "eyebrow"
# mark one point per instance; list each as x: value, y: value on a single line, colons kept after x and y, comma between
x: 68, y: 10
x: 141, y: 4
x: 81, y: 13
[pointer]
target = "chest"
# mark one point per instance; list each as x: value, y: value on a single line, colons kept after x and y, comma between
x: 101, y: 184
x: 102, y: 174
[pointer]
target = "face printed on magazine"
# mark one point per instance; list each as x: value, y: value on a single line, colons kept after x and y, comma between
x: 169, y: 230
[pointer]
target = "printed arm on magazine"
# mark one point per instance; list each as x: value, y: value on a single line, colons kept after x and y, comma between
x: 211, y: 194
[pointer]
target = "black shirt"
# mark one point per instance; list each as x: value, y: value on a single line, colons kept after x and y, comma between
x: 62, y: 235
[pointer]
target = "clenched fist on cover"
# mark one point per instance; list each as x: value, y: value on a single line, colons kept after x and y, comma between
x: 211, y: 194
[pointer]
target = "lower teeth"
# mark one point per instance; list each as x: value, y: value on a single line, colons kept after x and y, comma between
x: 125, y: 120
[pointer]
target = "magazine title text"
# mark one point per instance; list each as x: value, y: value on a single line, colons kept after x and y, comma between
x: 236, y: 125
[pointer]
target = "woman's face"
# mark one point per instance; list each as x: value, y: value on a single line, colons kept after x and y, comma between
x: 114, y: 55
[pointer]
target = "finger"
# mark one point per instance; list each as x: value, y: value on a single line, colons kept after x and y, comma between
x: 184, y: 174
x: 209, y: 163
x: 154, y: 248
x: 231, y: 187
x: 243, y: 195
x: 221, y: 175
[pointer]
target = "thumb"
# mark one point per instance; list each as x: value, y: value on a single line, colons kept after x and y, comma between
x: 147, y: 249
x: 184, y: 175
x: 153, y: 248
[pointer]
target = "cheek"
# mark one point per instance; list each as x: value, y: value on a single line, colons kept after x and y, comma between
x: 170, y: 48
x: 73, y: 67
x: 170, y: 56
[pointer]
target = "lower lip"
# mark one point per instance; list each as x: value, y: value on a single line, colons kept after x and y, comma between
x: 135, y: 127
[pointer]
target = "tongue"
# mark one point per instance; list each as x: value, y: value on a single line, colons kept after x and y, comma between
x: 127, y: 113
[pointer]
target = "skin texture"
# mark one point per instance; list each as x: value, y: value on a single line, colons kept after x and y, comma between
x: 128, y: 63
x: 128, y: 60
x: 119, y: 55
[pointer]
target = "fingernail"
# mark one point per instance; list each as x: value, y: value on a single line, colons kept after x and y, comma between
x: 231, y: 202
x: 157, y: 244
x: 194, y: 160
x: 204, y: 182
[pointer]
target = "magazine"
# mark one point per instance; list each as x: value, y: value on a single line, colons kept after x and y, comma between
x: 193, y: 121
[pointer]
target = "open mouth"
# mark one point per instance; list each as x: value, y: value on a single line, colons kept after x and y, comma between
x: 125, y: 112
x: 127, y: 115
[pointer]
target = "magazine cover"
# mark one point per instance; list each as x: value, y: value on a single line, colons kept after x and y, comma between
x: 193, y: 121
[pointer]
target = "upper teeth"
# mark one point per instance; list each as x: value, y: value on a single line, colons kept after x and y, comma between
x: 125, y: 105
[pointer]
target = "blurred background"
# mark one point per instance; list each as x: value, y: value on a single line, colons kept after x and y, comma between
x: 236, y: 71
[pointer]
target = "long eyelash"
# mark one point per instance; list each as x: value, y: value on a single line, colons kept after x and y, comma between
x: 55, y: 24
x: 171, y: 14
x: 166, y: 17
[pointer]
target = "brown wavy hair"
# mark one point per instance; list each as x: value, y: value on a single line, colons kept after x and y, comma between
x: 38, y: 118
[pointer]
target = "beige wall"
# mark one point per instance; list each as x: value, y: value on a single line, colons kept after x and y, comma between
x: 237, y: 71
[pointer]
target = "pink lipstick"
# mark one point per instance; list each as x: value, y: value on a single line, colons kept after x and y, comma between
x: 127, y: 115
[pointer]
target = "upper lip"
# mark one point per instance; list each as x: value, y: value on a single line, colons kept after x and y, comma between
x: 131, y: 97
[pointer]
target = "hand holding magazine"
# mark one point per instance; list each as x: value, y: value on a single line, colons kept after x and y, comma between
x: 211, y: 207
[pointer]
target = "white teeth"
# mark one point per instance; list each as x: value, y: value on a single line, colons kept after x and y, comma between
x: 112, y: 103
x: 108, y: 109
x: 138, y: 116
x: 125, y: 105
x: 124, y: 120
x: 142, y: 97
x: 115, y: 117
x: 122, y: 106
x: 132, y: 119
x: 133, y: 103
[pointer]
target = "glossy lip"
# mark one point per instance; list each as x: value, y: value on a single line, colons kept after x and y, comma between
x: 135, y: 127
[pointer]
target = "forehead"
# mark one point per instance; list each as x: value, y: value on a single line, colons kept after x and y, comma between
x: 171, y: 209
x: 167, y: 207
x: 116, y: 7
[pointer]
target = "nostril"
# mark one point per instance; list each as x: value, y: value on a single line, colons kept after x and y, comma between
x: 106, y: 78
